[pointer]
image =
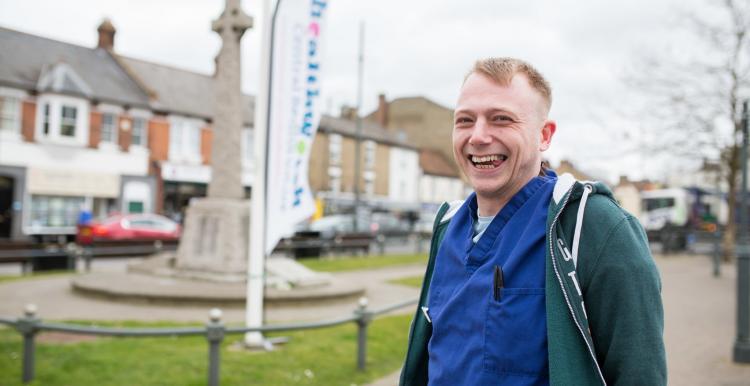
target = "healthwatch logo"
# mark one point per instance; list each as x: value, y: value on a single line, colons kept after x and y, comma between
x: 312, y: 92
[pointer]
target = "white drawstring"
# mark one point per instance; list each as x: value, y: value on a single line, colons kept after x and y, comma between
x: 579, y: 222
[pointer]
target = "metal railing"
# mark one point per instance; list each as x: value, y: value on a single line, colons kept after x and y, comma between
x: 214, y: 331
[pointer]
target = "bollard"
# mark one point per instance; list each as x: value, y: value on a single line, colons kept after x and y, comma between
x: 364, y: 320
x: 214, y: 335
x: 88, y: 255
x: 28, y: 327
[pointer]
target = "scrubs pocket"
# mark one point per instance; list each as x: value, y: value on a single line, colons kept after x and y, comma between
x: 515, y: 341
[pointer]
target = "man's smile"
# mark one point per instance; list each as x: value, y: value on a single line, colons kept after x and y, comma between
x: 490, y: 161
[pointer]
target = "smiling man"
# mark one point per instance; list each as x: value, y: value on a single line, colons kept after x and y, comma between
x: 533, y: 279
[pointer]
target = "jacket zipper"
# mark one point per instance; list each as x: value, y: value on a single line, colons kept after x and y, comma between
x: 562, y: 286
x: 433, y: 250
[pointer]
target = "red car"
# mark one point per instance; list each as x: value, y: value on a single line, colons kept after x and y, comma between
x: 129, y: 227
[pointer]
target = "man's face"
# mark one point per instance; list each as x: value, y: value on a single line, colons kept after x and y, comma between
x: 498, y: 135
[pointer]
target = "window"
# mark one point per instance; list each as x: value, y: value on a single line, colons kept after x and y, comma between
x: 650, y: 204
x: 45, y: 119
x: 370, y: 154
x: 109, y: 128
x: 139, y: 133
x: 9, y: 114
x: 334, y: 149
x: 135, y: 207
x: 68, y: 121
x: 335, y: 182
x: 55, y: 211
x: 247, y: 145
x: 369, y: 177
x: 62, y: 119
x: 334, y: 179
x: 185, y: 140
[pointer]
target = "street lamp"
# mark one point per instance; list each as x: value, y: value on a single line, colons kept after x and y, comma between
x: 742, y: 343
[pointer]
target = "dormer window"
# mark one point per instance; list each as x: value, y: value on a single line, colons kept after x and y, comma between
x: 68, y: 121
x: 62, y: 119
x: 45, y: 119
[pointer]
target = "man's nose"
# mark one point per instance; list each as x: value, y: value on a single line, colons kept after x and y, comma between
x: 480, y: 134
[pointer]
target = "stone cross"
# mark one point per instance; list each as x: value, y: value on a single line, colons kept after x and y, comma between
x: 226, y: 153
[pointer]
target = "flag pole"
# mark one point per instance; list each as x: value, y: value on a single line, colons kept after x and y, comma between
x: 254, y: 313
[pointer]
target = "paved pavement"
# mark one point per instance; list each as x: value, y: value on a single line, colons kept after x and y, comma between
x: 699, y: 313
x: 700, y: 324
x: 56, y: 301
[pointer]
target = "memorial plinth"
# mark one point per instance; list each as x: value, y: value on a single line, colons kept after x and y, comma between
x: 214, y: 240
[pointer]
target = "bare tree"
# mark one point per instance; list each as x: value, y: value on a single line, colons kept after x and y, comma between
x: 695, y: 95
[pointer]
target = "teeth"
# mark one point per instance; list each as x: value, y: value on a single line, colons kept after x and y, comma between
x: 487, y: 158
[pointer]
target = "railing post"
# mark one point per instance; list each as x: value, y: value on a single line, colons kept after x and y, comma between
x: 365, y: 317
x: 380, y: 239
x: 28, y: 327
x: 717, y: 252
x: 214, y: 335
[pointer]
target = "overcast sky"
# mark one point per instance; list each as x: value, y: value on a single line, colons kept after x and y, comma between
x: 418, y: 47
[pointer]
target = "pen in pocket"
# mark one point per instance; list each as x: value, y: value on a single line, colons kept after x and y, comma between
x: 497, y: 282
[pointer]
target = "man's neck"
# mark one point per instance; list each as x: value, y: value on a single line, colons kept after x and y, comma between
x: 492, y: 204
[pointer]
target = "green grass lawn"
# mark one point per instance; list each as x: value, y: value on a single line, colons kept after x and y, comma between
x: 315, y: 357
x: 35, y: 275
x: 353, y: 263
x: 411, y: 281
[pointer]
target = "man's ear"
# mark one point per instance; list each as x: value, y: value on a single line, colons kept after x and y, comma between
x: 548, y: 130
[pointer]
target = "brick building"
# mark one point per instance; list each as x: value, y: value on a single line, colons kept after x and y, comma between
x: 73, y: 135
x: 84, y: 128
x: 389, y: 166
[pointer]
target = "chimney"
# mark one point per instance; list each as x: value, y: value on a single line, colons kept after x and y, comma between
x: 348, y: 112
x: 382, y: 113
x: 106, y: 35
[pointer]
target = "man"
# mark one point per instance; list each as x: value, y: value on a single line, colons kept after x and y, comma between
x: 532, y: 280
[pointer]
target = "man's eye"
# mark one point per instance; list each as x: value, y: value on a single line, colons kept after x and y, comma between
x: 502, y: 118
x: 463, y: 120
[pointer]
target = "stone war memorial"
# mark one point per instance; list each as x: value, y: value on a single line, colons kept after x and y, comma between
x: 210, y: 265
x: 214, y: 240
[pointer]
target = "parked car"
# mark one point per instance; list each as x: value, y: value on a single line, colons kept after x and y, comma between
x: 388, y: 225
x: 330, y: 226
x: 129, y: 227
x: 376, y: 224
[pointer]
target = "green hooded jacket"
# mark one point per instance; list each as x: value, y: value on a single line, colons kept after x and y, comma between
x: 605, y: 319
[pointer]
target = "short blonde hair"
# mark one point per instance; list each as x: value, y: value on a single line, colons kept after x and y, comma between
x: 502, y: 70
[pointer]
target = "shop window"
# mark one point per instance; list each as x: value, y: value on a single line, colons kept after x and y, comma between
x: 104, y: 207
x: 55, y: 211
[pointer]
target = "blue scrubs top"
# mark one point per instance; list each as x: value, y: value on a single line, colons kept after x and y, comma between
x: 476, y: 339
